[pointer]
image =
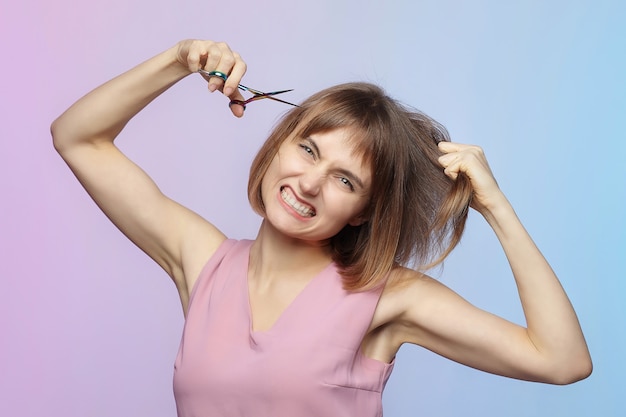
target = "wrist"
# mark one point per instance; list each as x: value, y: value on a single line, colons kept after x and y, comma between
x: 497, y: 209
x: 173, y: 61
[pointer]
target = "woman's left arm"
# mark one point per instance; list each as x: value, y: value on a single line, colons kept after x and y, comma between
x: 552, y: 347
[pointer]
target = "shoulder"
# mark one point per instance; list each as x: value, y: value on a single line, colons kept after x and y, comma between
x: 402, y: 288
x: 403, y: 304
x: 421, y: 310
x: 404, y: 282
x: 410, y: 298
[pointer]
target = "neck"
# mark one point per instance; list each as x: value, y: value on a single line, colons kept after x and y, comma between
x: 274, y: 255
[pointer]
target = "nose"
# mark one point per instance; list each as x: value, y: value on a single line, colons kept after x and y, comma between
x: 311, y: 181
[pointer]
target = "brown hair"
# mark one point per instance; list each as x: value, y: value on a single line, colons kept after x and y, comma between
x: 416, y: 214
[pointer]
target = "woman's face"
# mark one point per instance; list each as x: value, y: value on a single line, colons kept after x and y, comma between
x: 316, y: 185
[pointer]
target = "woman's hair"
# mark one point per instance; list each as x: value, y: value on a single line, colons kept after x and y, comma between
x: 415, y: 215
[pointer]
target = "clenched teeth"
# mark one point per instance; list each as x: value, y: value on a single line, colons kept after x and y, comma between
x: 301, y: 209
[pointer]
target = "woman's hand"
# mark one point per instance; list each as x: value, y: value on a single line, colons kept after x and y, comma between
x: 470, y: 160
x: 215, y: 56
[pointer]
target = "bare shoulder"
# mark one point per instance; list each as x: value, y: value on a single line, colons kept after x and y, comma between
x: 404, y: 289
x: 410, y: 301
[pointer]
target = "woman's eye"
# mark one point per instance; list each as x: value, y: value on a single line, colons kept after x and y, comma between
x: 347, y: 183
x: 307, y: 149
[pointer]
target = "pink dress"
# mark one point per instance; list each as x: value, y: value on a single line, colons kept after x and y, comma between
x: 309, y: 364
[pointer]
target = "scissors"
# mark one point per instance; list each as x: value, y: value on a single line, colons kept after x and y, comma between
x: 258, y: 95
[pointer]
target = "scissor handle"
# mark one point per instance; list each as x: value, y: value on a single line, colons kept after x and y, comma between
x: 213, y: 74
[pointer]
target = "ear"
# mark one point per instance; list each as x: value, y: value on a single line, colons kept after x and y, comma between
x: 358, y: 220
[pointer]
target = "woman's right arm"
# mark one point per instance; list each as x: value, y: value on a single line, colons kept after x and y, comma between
x: 179, y: 240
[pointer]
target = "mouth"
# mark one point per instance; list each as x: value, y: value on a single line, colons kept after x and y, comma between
x: 291, y: 201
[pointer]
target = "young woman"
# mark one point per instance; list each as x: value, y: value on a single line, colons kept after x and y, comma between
x: 353, y: 188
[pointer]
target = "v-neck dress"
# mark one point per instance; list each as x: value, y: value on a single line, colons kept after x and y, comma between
x: 308, y: 364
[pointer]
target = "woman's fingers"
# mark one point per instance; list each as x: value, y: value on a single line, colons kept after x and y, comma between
x: 470, y: 160
x: 236, y: 72
x: 218, y: 57
x: 221, y: 58
x: 213, y: 56
x: 231, y: 87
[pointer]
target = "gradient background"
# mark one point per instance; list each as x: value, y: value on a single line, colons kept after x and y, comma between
x: 89, y: 326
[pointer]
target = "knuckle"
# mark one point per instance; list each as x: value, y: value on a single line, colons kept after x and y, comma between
x: 223, y: 46
x: 228, y: 60
x: 475, y: 151
x: 214, y: 50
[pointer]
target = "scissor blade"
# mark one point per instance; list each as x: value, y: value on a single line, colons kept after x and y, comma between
x: 262, y: 96
x: 273, y: 93
x: 261, y: 93
x: 282, y: 101
x: 258, y: 95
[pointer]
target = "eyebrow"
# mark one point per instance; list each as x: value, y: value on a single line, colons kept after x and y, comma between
x: 345, y: 172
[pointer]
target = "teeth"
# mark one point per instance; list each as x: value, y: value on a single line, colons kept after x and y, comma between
x: 302, y: 210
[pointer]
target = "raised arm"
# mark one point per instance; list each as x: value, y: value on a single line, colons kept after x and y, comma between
x: 551, y: 348
x: 176, y: 238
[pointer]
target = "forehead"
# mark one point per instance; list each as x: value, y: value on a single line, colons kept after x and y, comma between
x: 349, y: 136
x: 348, y: 139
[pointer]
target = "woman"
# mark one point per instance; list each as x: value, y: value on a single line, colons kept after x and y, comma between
x: 307, y: 318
